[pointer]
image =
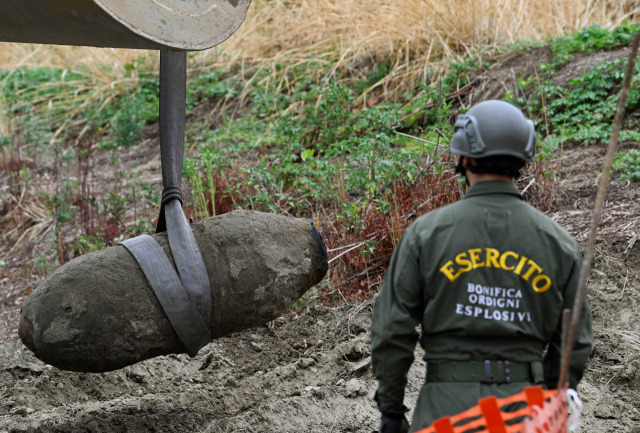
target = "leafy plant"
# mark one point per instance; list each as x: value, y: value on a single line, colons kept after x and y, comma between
x: 116, y: 200
x: 459, y: 73
x: 127, y: 125
x: 5, y: 141
x: 628, y: 164
x: 583, y: 112
x: 84, y: 244
x: 211, y: 85
x: 590, y: 38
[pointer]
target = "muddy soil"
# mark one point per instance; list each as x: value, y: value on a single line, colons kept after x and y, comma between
x: 310, y: 372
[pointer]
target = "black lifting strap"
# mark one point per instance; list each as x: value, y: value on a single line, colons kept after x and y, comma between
x: 185, y: 294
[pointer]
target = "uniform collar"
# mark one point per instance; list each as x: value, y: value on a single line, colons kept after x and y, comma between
x: 493, y: 187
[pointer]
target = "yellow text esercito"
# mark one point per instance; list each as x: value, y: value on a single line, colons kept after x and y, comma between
x: 490, y: 257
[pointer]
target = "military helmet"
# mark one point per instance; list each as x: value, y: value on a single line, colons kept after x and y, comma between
x: 494, y: 128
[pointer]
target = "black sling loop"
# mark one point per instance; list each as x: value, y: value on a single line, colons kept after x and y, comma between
x: 184, y: 291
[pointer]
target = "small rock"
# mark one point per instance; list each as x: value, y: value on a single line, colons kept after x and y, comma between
x: 606, y: 410
x: 198, y: 379
x: 136, y: 374
x: 22, y: 411
x: 354, y: 388
x: 208, y: 359
x: 362, y: 366
x: 93, y: 427
x: 231, y: 381
x: 355, y: 350
x: 306, y: 362
x: 286, y: 371
x: 256, y: 346
x: 315, y: 391
x: 613, y: 358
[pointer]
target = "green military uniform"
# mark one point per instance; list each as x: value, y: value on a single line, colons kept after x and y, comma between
x: 487, y: 279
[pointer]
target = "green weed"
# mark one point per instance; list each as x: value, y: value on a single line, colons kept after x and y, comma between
x: 583, y: 112
x: 588, y: 39
x: 84, y: 244
x: 460, y: 73
x: 128, y: 122
x: 50, y: 102
x: 628, y: 164
x: 116, y: 200
x: 211, y: 85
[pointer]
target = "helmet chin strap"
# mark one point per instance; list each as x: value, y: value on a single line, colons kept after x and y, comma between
x: 462, y: 170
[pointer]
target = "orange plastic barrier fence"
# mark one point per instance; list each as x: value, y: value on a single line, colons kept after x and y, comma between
x: 545, y: 412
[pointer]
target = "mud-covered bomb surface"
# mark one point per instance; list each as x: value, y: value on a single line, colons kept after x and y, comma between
x: 98, y: 313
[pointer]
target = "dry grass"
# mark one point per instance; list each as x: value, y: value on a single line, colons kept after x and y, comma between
x: 349, y: 37
x: 420, y: 31
x: 410, y: 28
x: 107, y: 77
x: 414, y: 34
x: 99, y: 60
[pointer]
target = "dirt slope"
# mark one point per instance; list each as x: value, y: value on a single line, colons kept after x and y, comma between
x: 310, y: 372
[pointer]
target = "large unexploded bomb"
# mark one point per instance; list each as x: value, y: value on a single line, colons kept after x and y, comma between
x: 98, y: 312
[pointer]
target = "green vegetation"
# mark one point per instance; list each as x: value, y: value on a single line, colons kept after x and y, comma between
x: 582, y: 111
x: 333, y: 152
x: 47, y: 103
x: 590, y: 38
x: 628, y: 164
x: 361, y: 161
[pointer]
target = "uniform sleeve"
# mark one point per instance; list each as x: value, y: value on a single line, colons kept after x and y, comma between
x: 397, y: 311
x: 584, y: 337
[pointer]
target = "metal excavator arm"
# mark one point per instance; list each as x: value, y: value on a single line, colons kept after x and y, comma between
x: 183, y: 25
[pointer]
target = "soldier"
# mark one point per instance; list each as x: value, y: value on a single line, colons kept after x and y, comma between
x: 486, y: 278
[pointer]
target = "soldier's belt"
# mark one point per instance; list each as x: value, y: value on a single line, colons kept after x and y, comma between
x: 486, y: 371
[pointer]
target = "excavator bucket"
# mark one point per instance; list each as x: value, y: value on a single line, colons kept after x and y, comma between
x: 178, y: 25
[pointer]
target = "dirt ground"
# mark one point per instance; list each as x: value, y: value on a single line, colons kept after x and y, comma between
x: 310, y: 372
